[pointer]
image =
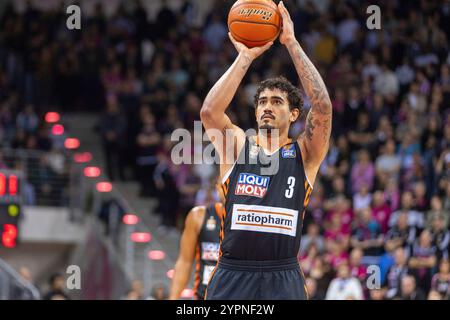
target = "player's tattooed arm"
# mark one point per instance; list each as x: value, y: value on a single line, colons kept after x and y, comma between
x: 318, y: 122
x: 311, y: 81
x: 319, y: 118
x: 312, y: 123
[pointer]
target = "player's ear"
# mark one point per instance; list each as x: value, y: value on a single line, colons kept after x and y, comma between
x: 295, y: 113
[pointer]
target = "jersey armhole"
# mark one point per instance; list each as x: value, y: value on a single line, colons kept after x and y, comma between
x: 307, y: 179
x: 218, y: 207
x: 303, y: 165
x: 228, y: 173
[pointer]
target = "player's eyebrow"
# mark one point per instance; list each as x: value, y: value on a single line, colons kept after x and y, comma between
x: 271, y: 97
x: 277, y: 97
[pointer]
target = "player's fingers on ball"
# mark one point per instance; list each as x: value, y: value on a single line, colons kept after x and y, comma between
x: 283, y: 14
x: 282, y: 8
x: 232, y: 38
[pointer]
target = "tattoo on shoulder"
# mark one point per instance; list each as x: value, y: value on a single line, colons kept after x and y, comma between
x: 326, y: 125
x: 312, y: 123
x: 309, y: 126
x: 313, y: 84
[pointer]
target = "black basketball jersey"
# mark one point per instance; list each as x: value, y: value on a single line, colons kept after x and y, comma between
x: 266, y: 197
x: 207, y: 251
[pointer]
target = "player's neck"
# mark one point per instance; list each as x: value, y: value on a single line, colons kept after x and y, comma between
x: 271, y: 142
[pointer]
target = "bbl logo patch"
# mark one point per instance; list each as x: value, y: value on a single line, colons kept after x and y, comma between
x: 211, y: 224
x: 252, y: 185
x: 288, y: 151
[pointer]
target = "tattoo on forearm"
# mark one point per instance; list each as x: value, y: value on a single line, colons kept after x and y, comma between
x: 311, y: 81
x: 247, y: 62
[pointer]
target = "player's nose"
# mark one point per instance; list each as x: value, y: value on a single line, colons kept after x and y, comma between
x: 268, y: 108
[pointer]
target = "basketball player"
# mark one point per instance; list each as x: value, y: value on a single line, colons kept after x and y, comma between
x: 264, y: 211
x: 200, y: 238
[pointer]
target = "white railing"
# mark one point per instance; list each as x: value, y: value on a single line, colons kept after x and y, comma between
x: 13, y: 287
x: 49, y: 178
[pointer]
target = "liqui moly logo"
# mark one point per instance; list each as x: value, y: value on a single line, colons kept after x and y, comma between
x: 252, y: 185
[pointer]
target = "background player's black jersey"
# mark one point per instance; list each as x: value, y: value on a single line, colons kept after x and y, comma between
x: 207, y: 251
x: 265, y: 204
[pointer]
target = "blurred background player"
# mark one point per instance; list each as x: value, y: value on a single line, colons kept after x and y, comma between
x: 199, y: 242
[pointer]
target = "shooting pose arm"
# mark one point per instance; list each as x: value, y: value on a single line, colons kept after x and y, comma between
x: 217, y: 101
x: 314, y: 142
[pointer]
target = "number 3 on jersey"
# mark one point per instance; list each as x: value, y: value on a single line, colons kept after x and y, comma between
x: 290, y: 190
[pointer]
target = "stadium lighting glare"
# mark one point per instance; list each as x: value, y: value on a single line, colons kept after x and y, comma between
x: 82, y: 157
x: 141, y: 237
x: 156, y: 255
x: 187, y: 293
x: 58, y: 129
x: 130, y: 219
x: 170, y: 273
x: 104, y: 186
x: 92, y: 172
x: 52, y: 117
x: 2, y: 184
x: 9, y: 235
x: 71, y: 143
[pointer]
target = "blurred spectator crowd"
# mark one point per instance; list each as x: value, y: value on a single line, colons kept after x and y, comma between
x: 382, y: 196
x: 56, y: 288
x: 22, y: 109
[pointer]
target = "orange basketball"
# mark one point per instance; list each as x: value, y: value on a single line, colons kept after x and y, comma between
x: 254, y: 22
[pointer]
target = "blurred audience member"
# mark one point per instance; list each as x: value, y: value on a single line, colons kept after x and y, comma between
x: 408, y: 289
x: 344, y: 286
x: 57, y: 284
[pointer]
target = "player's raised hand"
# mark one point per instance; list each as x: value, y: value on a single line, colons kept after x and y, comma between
x: 252, y: 53
x: 287, y: 32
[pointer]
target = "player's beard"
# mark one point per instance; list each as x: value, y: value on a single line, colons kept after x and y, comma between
x: 266, y: 128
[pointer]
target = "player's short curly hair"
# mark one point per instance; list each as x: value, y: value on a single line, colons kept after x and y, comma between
x: 293, y: 93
